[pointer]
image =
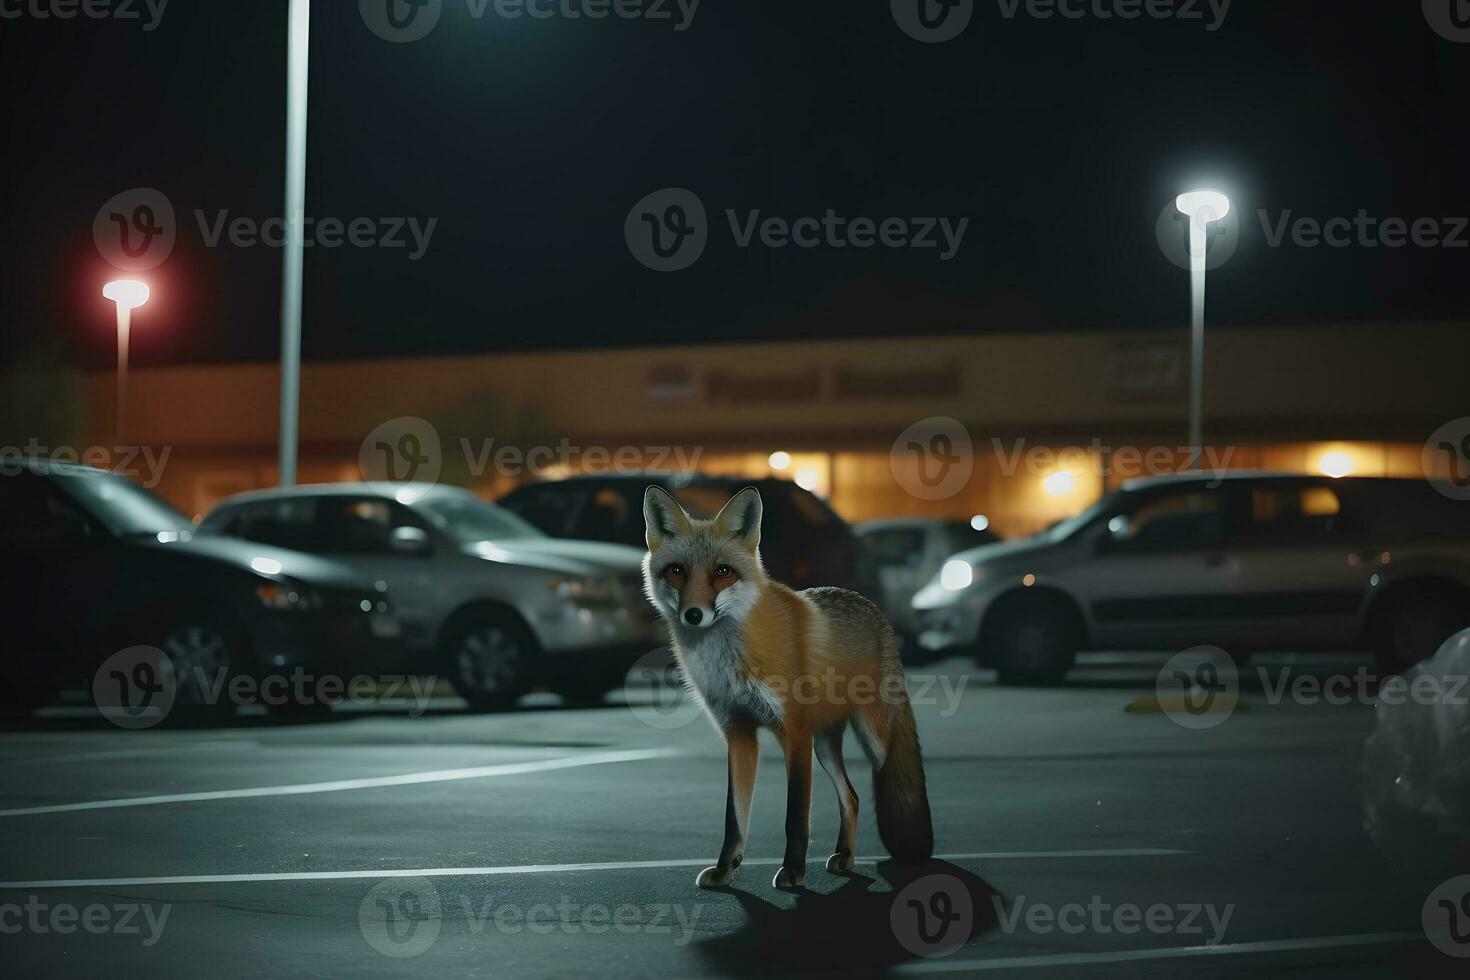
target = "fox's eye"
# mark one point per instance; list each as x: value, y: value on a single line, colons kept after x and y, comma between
x: 674, y: 571
x: 723, y: 571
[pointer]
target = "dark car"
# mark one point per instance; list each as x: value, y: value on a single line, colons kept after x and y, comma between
x: 803, y: 541
x: 95, y: 564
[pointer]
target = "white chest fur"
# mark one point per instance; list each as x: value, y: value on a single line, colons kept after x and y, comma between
x: 714, y: 669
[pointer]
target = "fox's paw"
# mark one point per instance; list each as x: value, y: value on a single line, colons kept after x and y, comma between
x: 716, y: 877
x: 840, y: 862
x: 789, y: 880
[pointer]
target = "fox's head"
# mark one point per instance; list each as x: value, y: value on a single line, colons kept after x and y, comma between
x: 699, y: 573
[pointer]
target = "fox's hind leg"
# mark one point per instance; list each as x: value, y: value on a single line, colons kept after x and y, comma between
x: 829, y: 753
x: 744, y: 755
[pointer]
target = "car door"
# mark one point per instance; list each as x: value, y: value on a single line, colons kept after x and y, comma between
x: 1300, y: 560
x: 388, y: 543
x: 1157, y: 577
x: 905, y: 558
x: 61, y: 571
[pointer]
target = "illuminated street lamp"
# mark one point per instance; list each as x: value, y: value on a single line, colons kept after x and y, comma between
x: 127, y: 295
x: 1201, y: 207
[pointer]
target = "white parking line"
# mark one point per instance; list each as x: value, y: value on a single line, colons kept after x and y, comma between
x: 531, y: 869
x: 339, y: 785
x: 1164, y: 953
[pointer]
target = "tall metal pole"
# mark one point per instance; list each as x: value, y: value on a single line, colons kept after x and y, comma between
x: 299, y: 32
x: 124, y: 325
x: 1197, y: 233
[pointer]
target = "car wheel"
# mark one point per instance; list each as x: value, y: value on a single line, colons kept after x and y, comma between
x: 490, y: 658
x: 205, y: 654
x: 1034, y: 641
x: 1415, y: 626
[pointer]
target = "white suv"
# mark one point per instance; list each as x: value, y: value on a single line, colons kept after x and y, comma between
x: 1243, y: 561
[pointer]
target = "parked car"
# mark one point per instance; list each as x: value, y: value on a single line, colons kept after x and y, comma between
x: 803, y: 541
x: 905, y: 553
x: 95, y: 564
x: 1245, y: 562
x: 481, y: 595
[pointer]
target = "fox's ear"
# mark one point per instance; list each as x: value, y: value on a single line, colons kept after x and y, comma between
x: 741, y: 518
x: 662, y: 516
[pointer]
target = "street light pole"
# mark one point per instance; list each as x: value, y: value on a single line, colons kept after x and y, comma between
x: 127, y: 295
x: 1202, y: 207
x: 299, y: 33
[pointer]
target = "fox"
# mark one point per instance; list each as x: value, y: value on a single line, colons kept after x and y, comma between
x: 805, y: 665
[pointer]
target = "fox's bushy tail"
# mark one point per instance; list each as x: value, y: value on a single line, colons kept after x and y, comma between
x: 901, y: 798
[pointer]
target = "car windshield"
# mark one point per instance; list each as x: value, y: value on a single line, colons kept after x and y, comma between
x: 469, y: 519
x: 1062, y: 530
x: 119, y: 503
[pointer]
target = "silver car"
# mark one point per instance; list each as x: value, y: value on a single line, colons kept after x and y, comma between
x: 481, y: 595
x: 906, y: 552
x: 1246, y: 562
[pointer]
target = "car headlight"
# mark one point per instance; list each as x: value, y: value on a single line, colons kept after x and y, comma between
x: 956, y: 575
x: 287, y: 596
x: 584, y: 590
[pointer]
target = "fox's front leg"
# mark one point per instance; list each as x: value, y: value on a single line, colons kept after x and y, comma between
x: 798, y: 745
x: 744, y: 755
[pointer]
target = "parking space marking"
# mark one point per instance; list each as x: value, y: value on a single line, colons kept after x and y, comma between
x: 525, y: 869
x: 1161, y: 953
x: 340, y: 785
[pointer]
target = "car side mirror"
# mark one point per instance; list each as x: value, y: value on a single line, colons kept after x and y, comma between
x: 409, y: 540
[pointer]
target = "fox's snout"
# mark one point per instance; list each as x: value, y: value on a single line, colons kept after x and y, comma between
x: 694, y: 616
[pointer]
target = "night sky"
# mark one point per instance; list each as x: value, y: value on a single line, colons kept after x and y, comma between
x: 530, y: 140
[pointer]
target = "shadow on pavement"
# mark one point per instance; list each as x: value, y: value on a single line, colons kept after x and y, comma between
x: 855, y: 930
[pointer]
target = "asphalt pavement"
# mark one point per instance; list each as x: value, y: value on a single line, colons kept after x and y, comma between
x: 1075, y: 837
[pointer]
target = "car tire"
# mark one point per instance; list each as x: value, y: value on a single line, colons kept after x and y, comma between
x: 206, y: 651
x: 1414, y: 625
x: 490, y: 656
x: 1033, y: 641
